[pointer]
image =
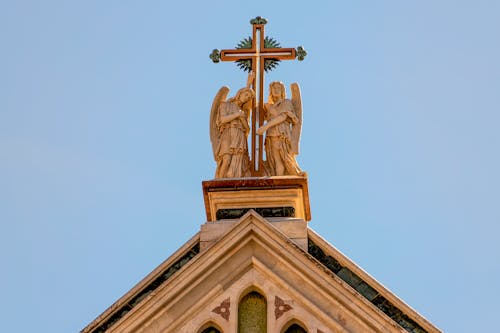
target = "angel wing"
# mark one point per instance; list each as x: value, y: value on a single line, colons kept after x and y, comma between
x: 214, y: 131
x: 297, y: 107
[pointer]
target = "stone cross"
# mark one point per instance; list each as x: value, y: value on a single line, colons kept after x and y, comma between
x: 258, y: 53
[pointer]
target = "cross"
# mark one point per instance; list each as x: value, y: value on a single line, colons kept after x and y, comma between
x: 258, y: 54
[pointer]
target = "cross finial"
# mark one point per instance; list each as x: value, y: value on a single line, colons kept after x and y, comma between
x: 258, y: 20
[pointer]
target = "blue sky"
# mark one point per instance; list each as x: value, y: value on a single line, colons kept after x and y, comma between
x: 104, y: 143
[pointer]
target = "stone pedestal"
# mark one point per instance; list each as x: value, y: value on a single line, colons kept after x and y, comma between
x: 282, y: 201
x: 273, y: 196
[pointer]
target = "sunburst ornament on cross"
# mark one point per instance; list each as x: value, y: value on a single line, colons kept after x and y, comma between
x: 258, y: 54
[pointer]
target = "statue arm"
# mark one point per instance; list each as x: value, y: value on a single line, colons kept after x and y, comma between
x: 273, y: 122
x: 225, y: 118
x: 293, y: 117
x: 287, y: 114
x: 251, y: 78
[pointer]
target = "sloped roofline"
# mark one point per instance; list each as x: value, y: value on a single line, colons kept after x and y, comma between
x: 366, y: 285
x: 142, y: 289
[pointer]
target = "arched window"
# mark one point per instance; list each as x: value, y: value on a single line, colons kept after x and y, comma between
x: 295, y: 328
x: 211, y: 330
x: 252, y: 314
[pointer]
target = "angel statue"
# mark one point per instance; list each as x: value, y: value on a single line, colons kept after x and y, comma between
x: 229, y: 129
x: 283, y: 126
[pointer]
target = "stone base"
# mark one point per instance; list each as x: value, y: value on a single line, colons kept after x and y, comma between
x: 295, y: 229
x: 285, y: 196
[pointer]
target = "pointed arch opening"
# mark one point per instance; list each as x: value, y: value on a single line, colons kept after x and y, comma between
x: 295, y: 328
x: 211, y: 329
x: 252, y: 313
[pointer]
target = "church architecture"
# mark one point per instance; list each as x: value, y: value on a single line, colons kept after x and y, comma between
x: 255, y: 266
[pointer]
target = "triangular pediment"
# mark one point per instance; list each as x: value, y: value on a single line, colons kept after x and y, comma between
x: 254, y: 255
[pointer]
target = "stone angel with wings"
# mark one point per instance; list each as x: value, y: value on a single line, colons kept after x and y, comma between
x: 229, y: 129
x: 282, y: 129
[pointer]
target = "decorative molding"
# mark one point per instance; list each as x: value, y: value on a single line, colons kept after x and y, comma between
x: 280, y: 307
x: 223, y: 309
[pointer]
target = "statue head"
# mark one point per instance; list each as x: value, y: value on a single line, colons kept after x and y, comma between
x: 276, y: 91
x: 244, y: 98
x: 244, y: 95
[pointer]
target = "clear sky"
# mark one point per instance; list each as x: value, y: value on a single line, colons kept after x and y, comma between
x: 104, y: 143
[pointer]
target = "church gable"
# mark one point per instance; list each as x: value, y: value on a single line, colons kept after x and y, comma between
x: 254, y: 256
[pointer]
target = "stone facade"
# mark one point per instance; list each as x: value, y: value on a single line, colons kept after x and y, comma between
x: 200, y: 288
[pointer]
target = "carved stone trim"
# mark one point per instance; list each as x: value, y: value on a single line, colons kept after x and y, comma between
x: 223, y: 309
x: 280, y: 307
